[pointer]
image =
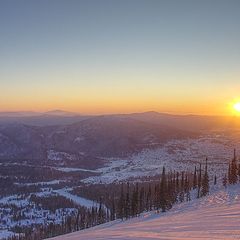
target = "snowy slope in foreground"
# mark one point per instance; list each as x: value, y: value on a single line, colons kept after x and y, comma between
x: 214, y: 217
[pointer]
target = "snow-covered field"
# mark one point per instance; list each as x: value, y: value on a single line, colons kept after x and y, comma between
x: 66, y: 169
x: 42, y: 183
x: 181, y: 155
x: 216, y: 217
x: 76, y: 199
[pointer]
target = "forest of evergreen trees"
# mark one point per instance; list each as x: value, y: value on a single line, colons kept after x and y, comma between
x: 233, y: 171
x: 129, y: 199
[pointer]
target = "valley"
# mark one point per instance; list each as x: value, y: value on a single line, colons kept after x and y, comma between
x: 39, y: 165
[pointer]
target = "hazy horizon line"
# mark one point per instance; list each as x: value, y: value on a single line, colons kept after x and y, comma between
x: 77, y: 113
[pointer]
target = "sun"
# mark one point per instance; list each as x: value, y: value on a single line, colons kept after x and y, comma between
x: 236, y: 107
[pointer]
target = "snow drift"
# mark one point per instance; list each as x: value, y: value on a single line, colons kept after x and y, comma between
x: 214, y: 217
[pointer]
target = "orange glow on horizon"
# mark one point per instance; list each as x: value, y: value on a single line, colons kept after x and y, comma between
x: 124, y: 106
x: 112, y: 101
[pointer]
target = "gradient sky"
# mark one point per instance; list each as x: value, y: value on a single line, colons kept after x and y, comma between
x: 120, y: 56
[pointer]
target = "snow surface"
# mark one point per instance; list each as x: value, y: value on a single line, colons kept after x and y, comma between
x: 6, y: 234
x: 67, y: 169
x: 181, y: 155
x: 53, y: 182
x: 14, y: 200
x: 76, y: 199
x: 60, y: 156
x: 215, y: 217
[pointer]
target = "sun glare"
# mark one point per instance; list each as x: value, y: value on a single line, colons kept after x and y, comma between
x: 236, y: 107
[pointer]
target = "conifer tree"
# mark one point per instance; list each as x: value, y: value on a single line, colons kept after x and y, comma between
x: 239, y: 171
x: 141, y: 201
x: 113, y: 210
x: 181, y: 194
x: 177, y: 182
x: 76, y: 226
x: 187, y: 188
x: 121, y: 203
x: 229, y: 174
x: 156, y: 197
x: 205, y: 181
x: 174, y: 181
x: 100, y: 213
x: 134, y: 202
x: 127, y: 202
x: 195, y: 178
x: 163, y: 189
x: 225, y: 180
x: 149, y: 198
x: 215, y: 180
x: 182, y: 182
x: 199, y: 180
x: 234, y: 170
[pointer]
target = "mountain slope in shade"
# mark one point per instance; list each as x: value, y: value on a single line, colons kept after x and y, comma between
x: 189, y: 122
x: 98, y: 136
x: 214, y: 217
x: 108, y: 136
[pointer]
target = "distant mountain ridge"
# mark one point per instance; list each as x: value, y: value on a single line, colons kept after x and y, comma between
x: 55, y: 117
x: 57, y: 112
x: 98, y: 137
x: 86, y: 140
x: 61, y: 117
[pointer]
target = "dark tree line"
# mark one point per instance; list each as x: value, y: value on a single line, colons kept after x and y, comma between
x: 173, y: 187
x: 233, y: 175
x: 83, y: 218
x: 126, y: 200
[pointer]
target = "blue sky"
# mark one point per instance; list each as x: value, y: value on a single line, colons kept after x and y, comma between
x: 107, y: 56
